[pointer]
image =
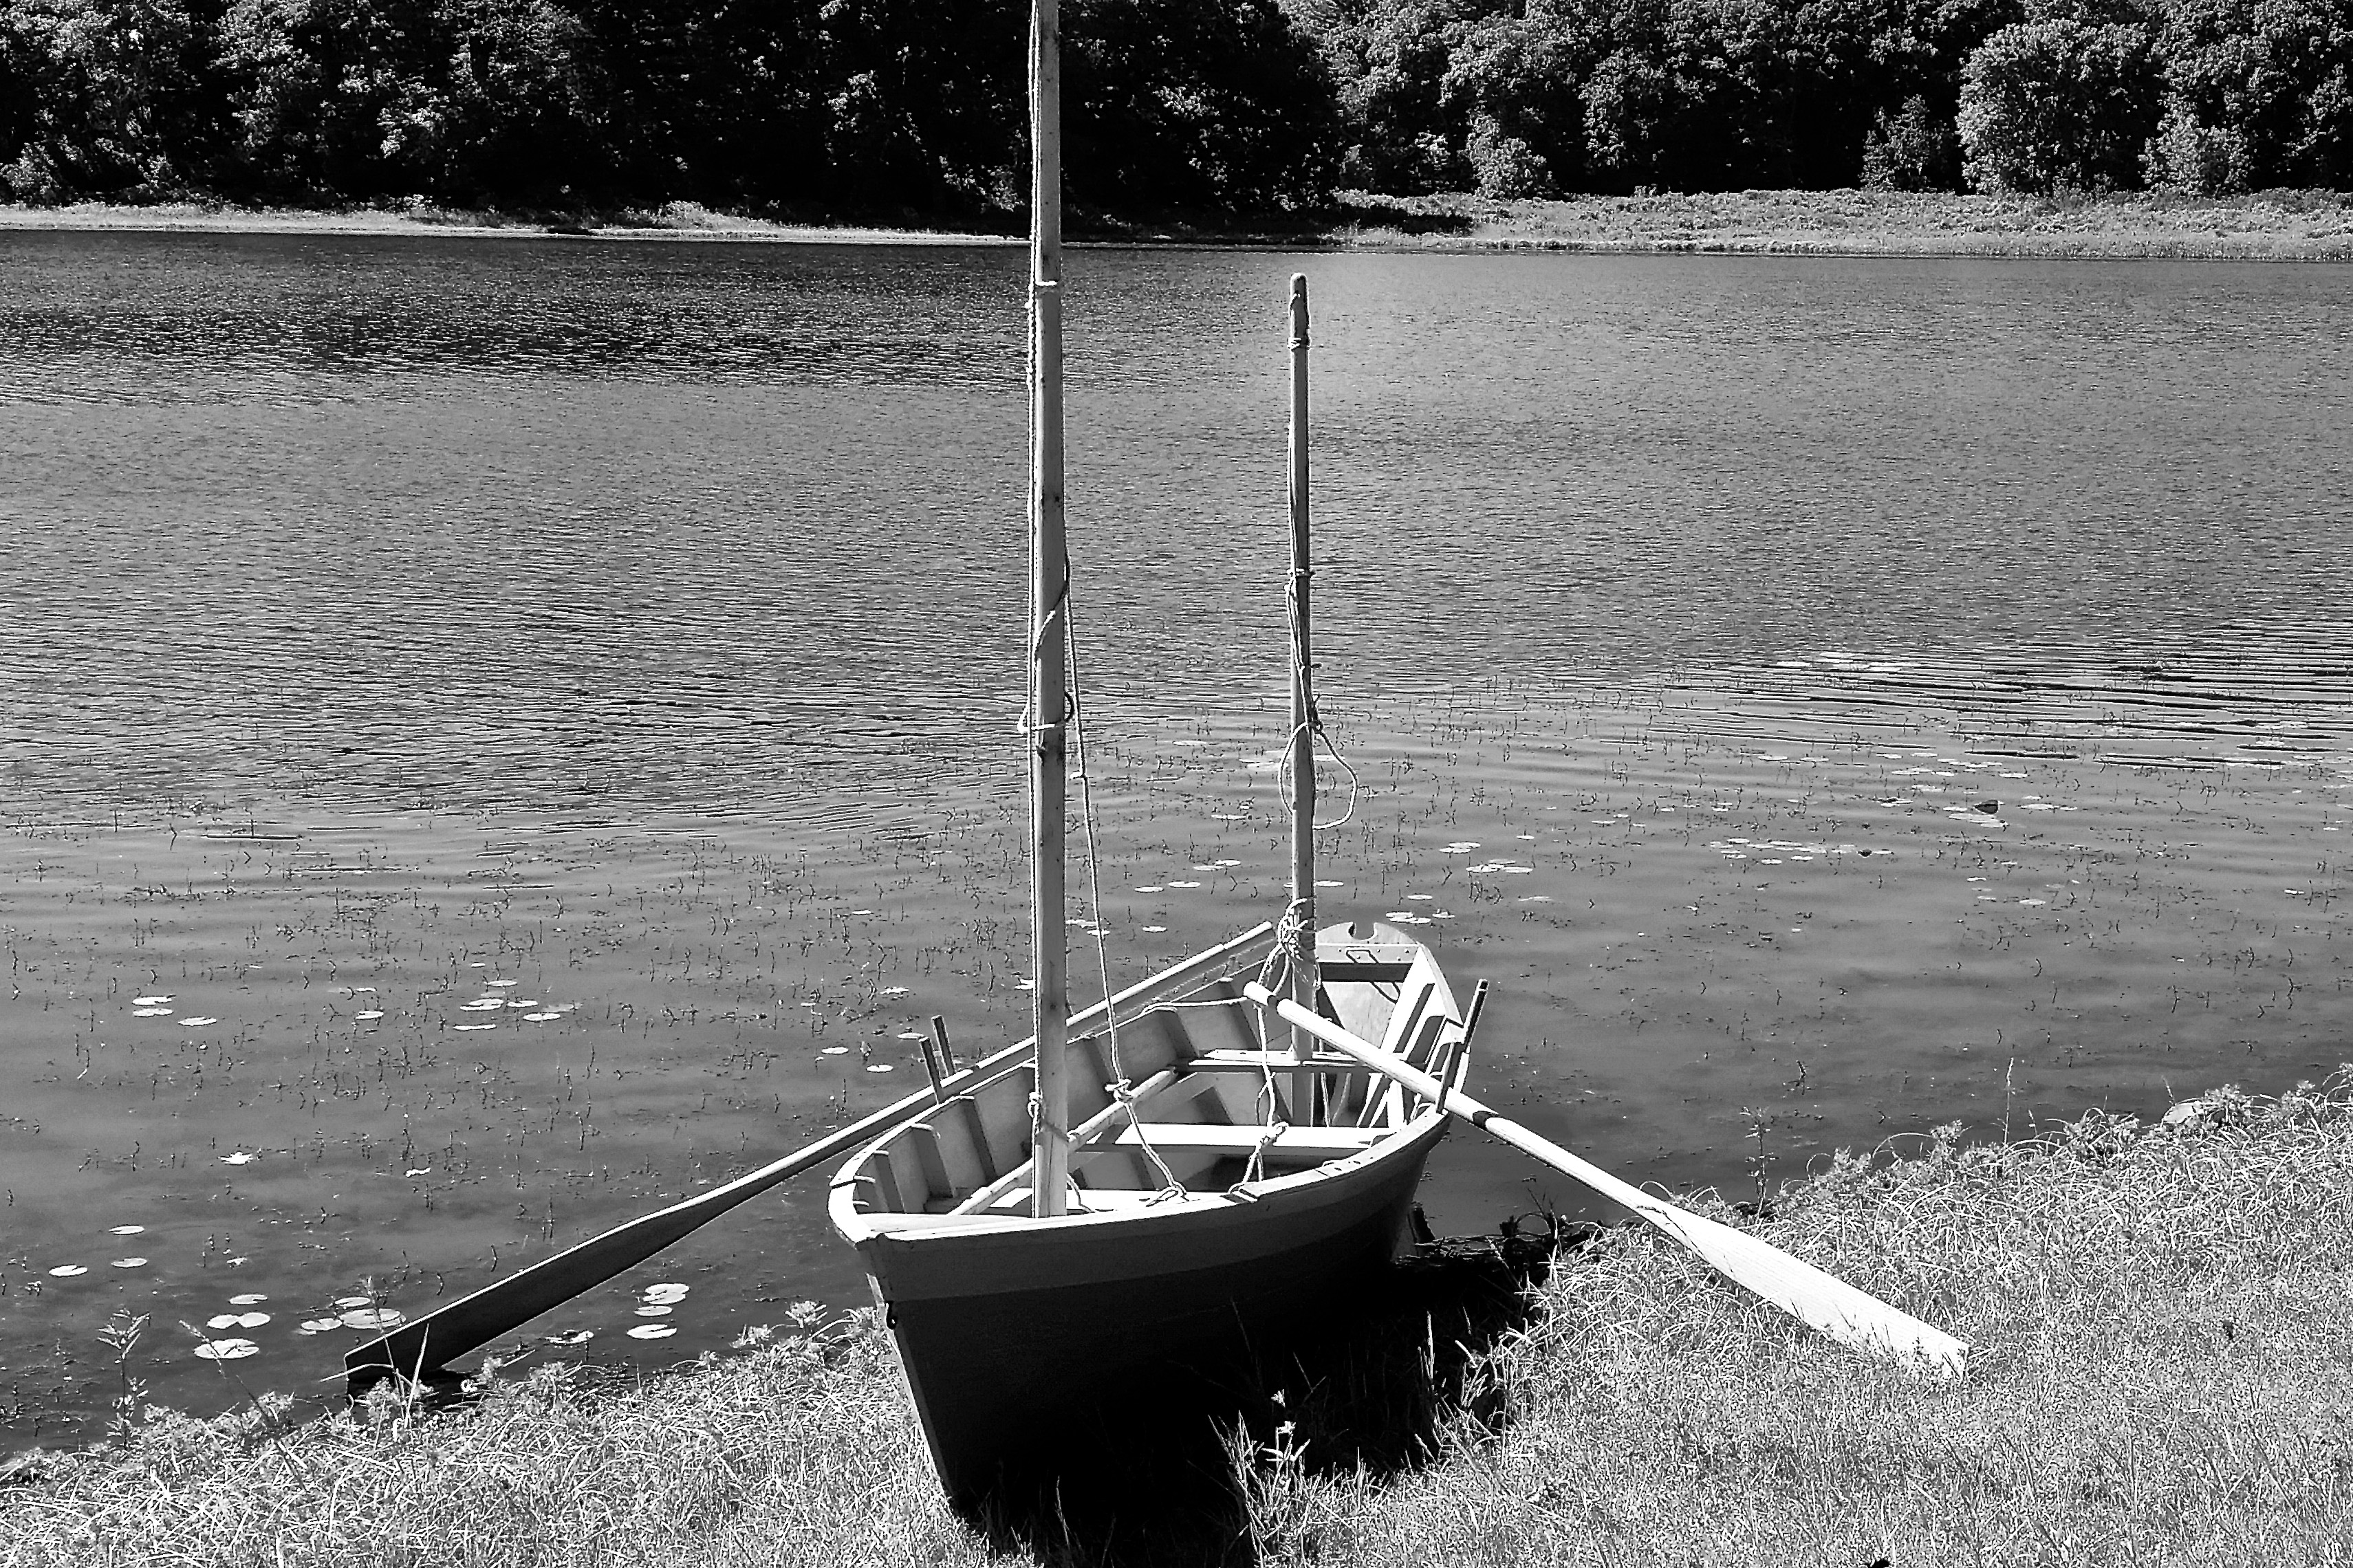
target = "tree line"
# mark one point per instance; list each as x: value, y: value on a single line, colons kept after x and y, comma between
x: 915, y: 108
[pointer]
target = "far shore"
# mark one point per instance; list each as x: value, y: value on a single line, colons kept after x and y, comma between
x: 2271, y: 225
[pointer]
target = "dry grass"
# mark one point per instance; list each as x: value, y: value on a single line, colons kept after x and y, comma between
x: 2272, y: 226
x: 676, y: 220
x: 2163, y: 1373
x: 2268, y: 225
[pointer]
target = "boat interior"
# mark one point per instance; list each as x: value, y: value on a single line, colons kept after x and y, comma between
x: 1213, y: 1089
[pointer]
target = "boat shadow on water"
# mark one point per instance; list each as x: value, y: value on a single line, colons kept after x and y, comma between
x: 1382, y: 1393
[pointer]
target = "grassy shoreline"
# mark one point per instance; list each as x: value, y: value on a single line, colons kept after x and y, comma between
x: 2162, y: 1372
x: 2271, y: 225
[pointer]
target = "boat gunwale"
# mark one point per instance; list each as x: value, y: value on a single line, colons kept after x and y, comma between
x: 858, y: 1226
x: 1418, y: 1130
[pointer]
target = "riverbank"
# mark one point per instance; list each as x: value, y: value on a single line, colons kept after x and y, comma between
x: 2162, y: 1372
x: 2272, y: 226
x: 679, y: 220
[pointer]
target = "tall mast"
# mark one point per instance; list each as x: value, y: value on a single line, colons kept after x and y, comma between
x: 1048, y: 589
x: 1302, y: 722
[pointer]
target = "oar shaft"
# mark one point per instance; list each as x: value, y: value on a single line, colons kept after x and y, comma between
x: 475, y: 1320
x: 1831, y: 1305
x: 1455, y: 1101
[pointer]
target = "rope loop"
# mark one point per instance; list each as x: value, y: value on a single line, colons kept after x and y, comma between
x: 1256, y: 1170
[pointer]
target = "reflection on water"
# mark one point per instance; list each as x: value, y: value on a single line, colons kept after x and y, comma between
x: 498, y: 734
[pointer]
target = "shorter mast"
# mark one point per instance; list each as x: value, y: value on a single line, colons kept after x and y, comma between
x: 1301, y: 921
x: 1049, y: 587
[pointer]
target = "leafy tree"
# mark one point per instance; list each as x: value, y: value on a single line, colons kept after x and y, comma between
x: 109, y: 98
x: 1511, y: 84
x: 925, y: 102
x: 1193, y: 103
x: 22, y: 65
x: 1727, y: 94
x: 2257, y: 93
x: 461, y: 100
x: 2058, y: 106
x: 1391, y: 61
x: 1917, y: 48
x: 725, y: 102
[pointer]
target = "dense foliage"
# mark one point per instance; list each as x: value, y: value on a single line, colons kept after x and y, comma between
x: 1537, y: 96
x: 881, y: 106
x: 905, y: 106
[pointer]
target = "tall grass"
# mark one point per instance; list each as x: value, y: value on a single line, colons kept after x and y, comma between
x: 2163, y: 1373
x: 2263, y: 226
x: 797, y: 1453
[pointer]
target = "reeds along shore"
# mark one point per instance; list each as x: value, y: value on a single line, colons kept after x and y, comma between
x: 2162, y: 1373
x: 2265, y: 225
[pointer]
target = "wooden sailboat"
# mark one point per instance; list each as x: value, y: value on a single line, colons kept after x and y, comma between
x: 1198, y: 1166
x: 1168, y: 1178
x: 1211, y: 1208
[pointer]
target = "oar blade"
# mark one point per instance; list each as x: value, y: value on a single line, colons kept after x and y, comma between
x: 1823, y: 1302
x: 474, y: 1321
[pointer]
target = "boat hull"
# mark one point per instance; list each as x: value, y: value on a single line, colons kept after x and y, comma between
x: 1146, y: 1311
x: 1210, y: 1226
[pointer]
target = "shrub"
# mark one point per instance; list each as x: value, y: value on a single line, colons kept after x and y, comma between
x: 2192, y: 159
x: 1506, y: 166
x: 1916, y: 150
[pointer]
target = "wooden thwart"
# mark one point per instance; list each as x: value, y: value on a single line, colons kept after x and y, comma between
x: 1292, y: 1142
x: 1830, y: 1305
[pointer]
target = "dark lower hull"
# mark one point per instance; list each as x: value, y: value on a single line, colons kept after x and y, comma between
x: 1026, y: 1345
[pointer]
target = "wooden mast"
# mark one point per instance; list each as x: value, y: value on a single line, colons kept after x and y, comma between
x: 1304, y: 1109
x: 1048, y: 590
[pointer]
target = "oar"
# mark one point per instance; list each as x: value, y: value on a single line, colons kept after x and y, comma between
x: 471, y: 1321
x: 1830, y: 1306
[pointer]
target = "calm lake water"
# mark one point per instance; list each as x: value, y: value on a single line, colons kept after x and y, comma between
x: 499, y: 733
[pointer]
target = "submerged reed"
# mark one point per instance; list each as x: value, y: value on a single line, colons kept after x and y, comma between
x: 2163, y: 1372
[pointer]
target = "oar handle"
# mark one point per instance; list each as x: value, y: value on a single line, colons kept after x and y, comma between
x: 937, y: 1064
